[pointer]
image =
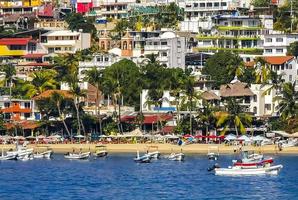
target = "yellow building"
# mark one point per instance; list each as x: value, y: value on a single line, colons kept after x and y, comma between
x: 9, y: 3
x: 16, y: 47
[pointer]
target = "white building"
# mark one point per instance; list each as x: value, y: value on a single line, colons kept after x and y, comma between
x: 100, y: 61
x: 170, y: 48
x: 65, y: 41
x: 262, y: 103
x: 276, y: 43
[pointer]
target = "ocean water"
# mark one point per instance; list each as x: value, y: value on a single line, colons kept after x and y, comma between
x: 118, y: 177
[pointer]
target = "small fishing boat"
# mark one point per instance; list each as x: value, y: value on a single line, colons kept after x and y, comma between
x: 252, y: 160
x: 213, y: 153
x: 235, y: 170
x: 77, y: 156
x: 7, y: 157
x: 153, y: 154
x: 46, y: 154
x: 142, y: 159
x: 176, y: 157
x: 100, y: 151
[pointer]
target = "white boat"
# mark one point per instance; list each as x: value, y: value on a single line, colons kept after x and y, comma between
x: 176, y: 156
x: 100, y: 151
x: 46, y: 154
x: 235, y: 171
x: 7, y: 157
x: 289, y: 143
x: 25, y: 157
x: 20, y: 153
x: 153, y: 154
x: 142, y: 159
x: 77, y: 156
x: 213, y: 153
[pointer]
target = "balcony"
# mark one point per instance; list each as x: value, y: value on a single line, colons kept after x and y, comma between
x: 227, y: 37
x: 156, y: 47
x: 254, y: 51
x: 239, y: 28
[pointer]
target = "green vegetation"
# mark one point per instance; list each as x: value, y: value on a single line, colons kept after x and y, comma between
x: 238, y: 28
x: 282, y: 17
x: 293, y: 49
x: 77, y: 22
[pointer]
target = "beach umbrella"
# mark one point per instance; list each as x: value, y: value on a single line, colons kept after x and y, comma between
x: 19, y: 138
x: 57, y: 136
x: 41, y: 137
x: 30, y: 137
x: 258, y: 138
x: 244, y: 138
x: 79, y: 136
x: 230, y: 137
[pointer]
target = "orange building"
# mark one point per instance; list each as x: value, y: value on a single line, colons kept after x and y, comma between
x: 126, y: 45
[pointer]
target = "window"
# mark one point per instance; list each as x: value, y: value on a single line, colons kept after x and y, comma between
x: 279, y: 50
x: 268, y: 40
x: 216, y: 4
x: 164, y: 43
x: 268, y: 50
x: 195, y: 5
x: 255, y: 110
x: 223, y: 3
x: 57, y: 48
x: 6, y: 104
x: 267, y: 107
x: 255, y: 98
x: 27, y: 115
x: 209, y: 4
x: 279, y: 40
x: 155, y: 43
x: 27, y: 104
x: 247, y: 99
x: 290, y: 78
x: 106, y: 59
x: 164, y: 54
x: 99, y: 59
x: 202, y: 5
x: 290, y: 66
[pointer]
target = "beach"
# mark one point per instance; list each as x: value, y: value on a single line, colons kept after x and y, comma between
x: 163, y: 148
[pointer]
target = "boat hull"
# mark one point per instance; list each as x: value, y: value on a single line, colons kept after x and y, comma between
x: 237, y: 171
x: 177, y: 157
x: 46, y: 154
x: 101, y: 153
x: 8, y: 157
x: 77, y: 156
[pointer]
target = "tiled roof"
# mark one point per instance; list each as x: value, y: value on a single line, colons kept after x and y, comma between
x: 34, y: 55
x: 277, y: 60
x: 15, y: 41
x: 49, y: 93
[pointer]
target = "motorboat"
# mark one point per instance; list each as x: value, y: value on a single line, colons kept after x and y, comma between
x: 289, y: 143
x: 252, y: 160
x: 213, y: 153
x: 236, y: 170
x: 176, y: 157
x: 77, y: 156
x: 46, y: 154
x: 21, y: 152
x: 7, y: 157
x: 100, y: 151
x: 153, y: 154
x: 25, y: 157
x: 142, y: 159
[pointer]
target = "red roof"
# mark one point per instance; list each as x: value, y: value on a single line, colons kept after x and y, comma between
x: 277, y: 60
x: 23, y: 124
x: 34, y: 55
x: 15, y: 41
x: 36, y: 64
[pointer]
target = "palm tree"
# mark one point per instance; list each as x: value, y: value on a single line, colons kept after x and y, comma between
x: 95, y: 77
x: 234, y: 116
x: 206, y: 115
x: 190, y: 96
x: 262, y: 70
x: 10, y: 72
x: 288, y: 106
x: 58, y: 100
x: 41, y: 81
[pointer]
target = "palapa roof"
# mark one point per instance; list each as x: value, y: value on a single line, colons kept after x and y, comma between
x: 209, y: 95
x: 237, y: 89
x: 26, y: 124
x: 48, y: 93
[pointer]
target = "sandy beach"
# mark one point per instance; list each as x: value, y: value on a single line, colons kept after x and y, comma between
x: 163, y: 148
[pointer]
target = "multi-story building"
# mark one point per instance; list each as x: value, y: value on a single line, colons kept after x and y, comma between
x: 236, y: 33
x: 169, y: 47
x: 100, y: 61
x: 51, y: 25
x: 276, y: 43
x: 17, y: 47
x: 115, y: 9
x: 65, y: 41
x: 17, y: 109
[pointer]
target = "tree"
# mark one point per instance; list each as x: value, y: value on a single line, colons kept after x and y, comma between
x: 293, y: 49
x: 77, y: 22
x: 288, y: 107
x: 220, y: 65
x: 95, y: 77
x: 261, y: 3
x: 206, y: 116
x: 233, y: 116
x: 58, y: 100
x: 10, y: 72
x: 262, y: 70
x: 41, y: 81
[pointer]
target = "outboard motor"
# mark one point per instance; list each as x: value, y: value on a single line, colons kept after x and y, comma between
x: 216, y: 165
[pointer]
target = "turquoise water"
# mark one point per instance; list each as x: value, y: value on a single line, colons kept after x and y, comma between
x: 118, y: 177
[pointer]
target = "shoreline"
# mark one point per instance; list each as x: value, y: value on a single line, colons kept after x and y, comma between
x: 162, y: 148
